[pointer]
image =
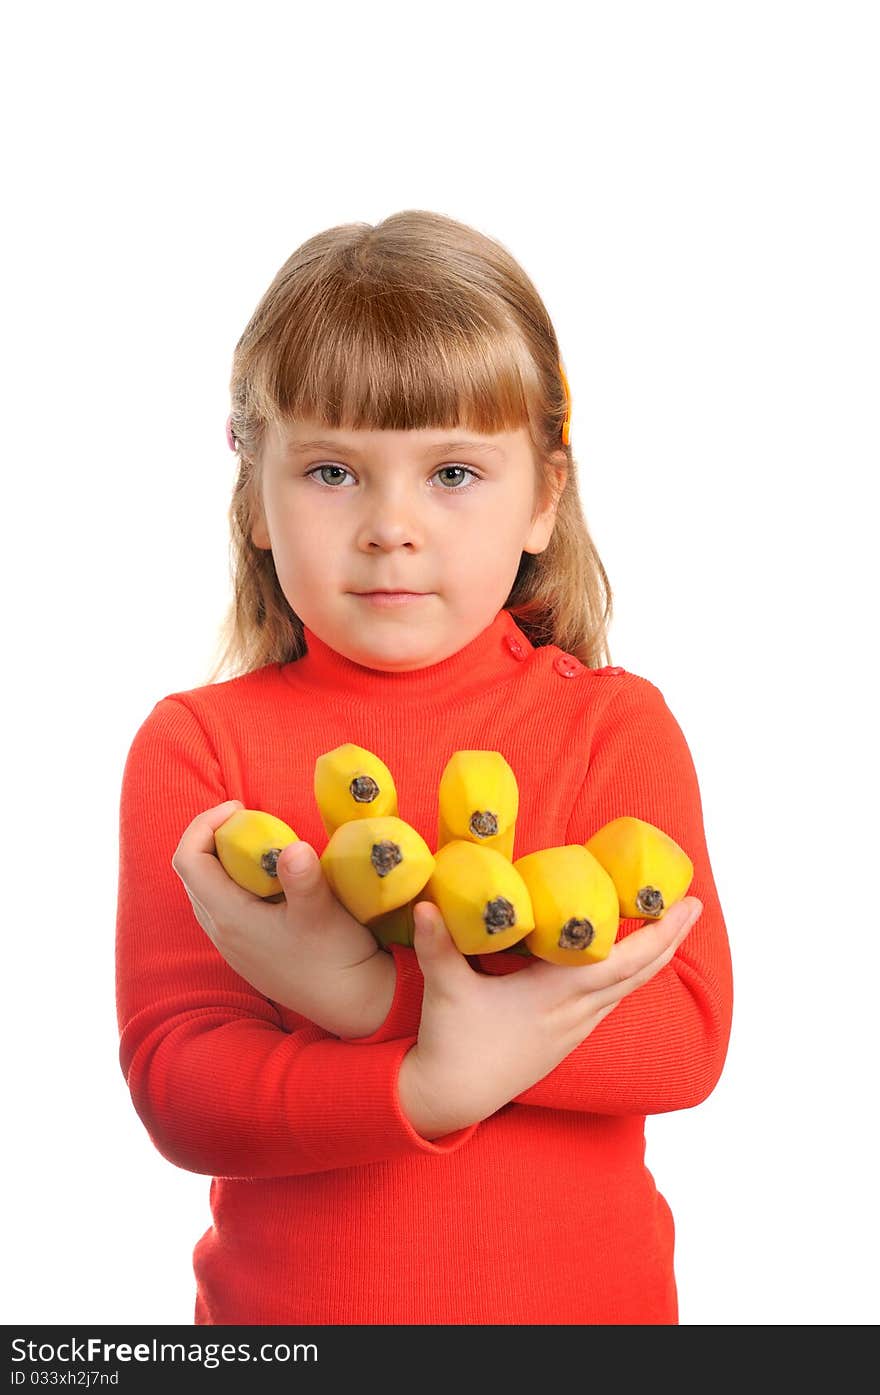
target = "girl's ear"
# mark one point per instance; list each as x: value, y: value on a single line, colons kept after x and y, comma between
x: 541, y: 527
x: 259, y: 531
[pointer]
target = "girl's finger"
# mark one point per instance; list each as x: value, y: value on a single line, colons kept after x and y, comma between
x: 196, y: 862
x: 634, y: 954
x: 198, y: 836
x: 439, y: 957
x: 652, y: 939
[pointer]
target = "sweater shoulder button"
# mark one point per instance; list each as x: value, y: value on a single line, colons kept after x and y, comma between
x: 609, y: 670
x: 568, y: 666
x: 515, y: 647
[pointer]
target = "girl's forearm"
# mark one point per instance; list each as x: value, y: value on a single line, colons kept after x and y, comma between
x: 412, y: 1100
x: 364, y: 1000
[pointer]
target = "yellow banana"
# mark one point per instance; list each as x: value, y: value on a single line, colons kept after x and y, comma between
x: 649, y: 869
x: 396, y: 927
x: 248, y: 845
x: 478, y: 801
x: 575, y: 905
x: 352, y: 783
x: 481, y: 896
x: 375, y: 865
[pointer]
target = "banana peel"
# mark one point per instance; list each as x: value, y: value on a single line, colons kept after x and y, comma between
x: 249, y: 844
x: 482, y: 898
x: 375, y: 865
x: 575, y: 905
x: 396, y: 927
x: 478, y: 801
x: 649, y: 869
x: 351, y: 782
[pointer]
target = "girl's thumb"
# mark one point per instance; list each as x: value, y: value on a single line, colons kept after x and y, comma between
x: 299, y: 868
x: 432, y: 941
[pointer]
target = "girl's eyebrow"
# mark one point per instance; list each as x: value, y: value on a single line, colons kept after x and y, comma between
x: 296, y: 447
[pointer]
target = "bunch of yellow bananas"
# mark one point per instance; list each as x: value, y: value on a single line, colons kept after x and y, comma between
x: 563, y: 904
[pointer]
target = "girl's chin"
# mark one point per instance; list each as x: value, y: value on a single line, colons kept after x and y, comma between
x: 400, y: 652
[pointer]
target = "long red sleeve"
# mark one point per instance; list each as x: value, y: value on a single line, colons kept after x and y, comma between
x: 220, y: 1085
x: 663, y: 1046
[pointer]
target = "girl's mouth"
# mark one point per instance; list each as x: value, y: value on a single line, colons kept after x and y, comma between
x: 384, y: 598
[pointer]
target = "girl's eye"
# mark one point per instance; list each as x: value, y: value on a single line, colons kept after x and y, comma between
x: 319, y: 470
x: 460, y: 469
x: 457, y: 488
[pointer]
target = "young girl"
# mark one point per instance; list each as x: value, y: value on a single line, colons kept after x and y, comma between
x: 410, y: 1136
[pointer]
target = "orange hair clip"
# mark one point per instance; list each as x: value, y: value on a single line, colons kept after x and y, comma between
x: 566, y: 425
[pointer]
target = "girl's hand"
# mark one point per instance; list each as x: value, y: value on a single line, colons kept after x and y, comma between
x: 305, y: 952
x: 484, y: 1039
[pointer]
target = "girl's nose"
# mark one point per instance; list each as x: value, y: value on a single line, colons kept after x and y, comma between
x: 389, y: 520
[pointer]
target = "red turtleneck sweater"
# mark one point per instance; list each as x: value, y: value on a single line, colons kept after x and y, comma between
x: 328, y: 1207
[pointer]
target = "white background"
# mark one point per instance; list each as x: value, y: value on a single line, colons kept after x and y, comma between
x: 693, y: 187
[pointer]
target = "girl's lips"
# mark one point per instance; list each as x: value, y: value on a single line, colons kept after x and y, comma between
x: 391, y: 597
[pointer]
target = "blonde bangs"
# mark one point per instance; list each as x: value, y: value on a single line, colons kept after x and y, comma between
x: 350, y: 375
x: 411, y: 349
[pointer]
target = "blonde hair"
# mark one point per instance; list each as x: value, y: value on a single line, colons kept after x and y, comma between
x: 416, y: 322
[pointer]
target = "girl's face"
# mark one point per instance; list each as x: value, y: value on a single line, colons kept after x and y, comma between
x: 442, y: 516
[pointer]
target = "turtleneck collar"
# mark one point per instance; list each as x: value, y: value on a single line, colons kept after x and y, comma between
x: 493, y: 656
